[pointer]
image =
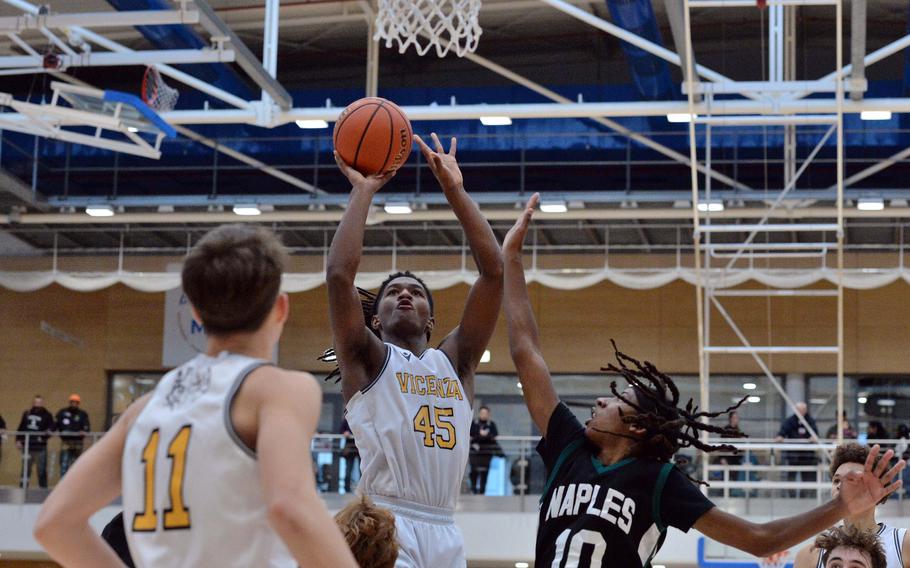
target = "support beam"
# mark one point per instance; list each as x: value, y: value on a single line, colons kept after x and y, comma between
x: 245, y: 58
x: 676, y: 18
x: 857, y: 46
x: 111, y: 19
x: 111, y: 59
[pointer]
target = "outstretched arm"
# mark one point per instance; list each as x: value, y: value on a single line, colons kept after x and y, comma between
x: 537, y: 386
x: 94, y: 481
x: 360, y: 353
x: 465, y: 345
x: 859, y: 492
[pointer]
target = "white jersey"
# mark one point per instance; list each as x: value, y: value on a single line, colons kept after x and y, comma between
x: 413, y: 429
x: 191, y: 492
x: 891, y: 538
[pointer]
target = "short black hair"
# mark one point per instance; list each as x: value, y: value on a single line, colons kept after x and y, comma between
x: 405, y: 274
x: 484, y: 407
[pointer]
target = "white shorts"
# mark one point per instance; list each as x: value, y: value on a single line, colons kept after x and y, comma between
x: 427, y: 536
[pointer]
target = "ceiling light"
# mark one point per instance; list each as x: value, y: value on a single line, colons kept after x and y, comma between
x: 658, y: 566
x: 750, y: 386
x: 525, y: 565
x: 132, y: 129
x: 518, y: 385
x: 875, y: 115
x: 679, y: 117
x: 495, y: 120
x: 711, y: 206
x: 886, y: 402
x: 862, y: 400
x: 312, y: 124
x: 99, y: 211
x: 485, y: 358
x: 817, y: 401
x: 247, y: 209
x: 398, y: 208
x: 754, y: 399
x: 553, y: 206
x: 165, y: 208
x: 870, y: 204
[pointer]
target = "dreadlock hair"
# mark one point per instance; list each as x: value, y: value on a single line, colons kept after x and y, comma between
x: 667, y: 427
x: 370, y: 305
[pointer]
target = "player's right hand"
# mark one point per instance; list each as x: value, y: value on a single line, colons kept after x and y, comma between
x: 862, y: 491
x: 371, y: 184
x: 516, y: 236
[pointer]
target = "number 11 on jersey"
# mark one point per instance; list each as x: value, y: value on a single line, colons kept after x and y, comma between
x: 177, y: 516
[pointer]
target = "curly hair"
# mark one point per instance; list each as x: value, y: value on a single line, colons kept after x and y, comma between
x: 852, y: 537
x: 370, y: 305
x: 370, y: 533
x: 668, y: 428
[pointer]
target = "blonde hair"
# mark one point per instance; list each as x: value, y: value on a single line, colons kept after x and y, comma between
x: 370, y: 533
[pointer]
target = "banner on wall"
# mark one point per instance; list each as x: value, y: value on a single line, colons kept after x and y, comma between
x: 184, y: 336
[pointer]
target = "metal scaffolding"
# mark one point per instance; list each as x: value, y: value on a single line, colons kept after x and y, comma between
x: 714, y: 260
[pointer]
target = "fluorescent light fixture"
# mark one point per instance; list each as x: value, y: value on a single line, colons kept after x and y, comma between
x: 754, y: 399
x: 711, y: 206
x: 312, y: 124
x: 870, y: 204
x: 750, y: 386
x: 862, y: 400
x: 553, y: 206
x: 165, y: 208
x: 518, y: 385
x: 495, y: 120
x: 658, y: 566
x: 886, y: 402
x: 99, y: 211
x: 485, y: 358
x: 132, y: 129
x: 397, y: 208
x: 875, y: 115
x: 525, y: 565
x: 677, y: 117
x: 817, y: 401
x: 247, y: 209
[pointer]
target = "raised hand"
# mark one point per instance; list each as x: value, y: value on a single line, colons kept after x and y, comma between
x: 443, y: 165
x: 515, y: 237
x: 863, y: 491
x: 371, y: 184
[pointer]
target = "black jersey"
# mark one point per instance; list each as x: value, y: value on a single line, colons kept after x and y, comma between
x: 593, y: 515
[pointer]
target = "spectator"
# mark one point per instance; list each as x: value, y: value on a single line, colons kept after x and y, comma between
x: 793, y: 429
x: 732, y: 458
x: 483, y: 448
x: 73, y: 425
x: 876, y: 431
x: 849, y: 430
x: 350, y: 454
x: 38, y: 420
x: 903, y: 434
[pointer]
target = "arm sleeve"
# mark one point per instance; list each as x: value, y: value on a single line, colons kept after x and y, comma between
x: 58, y: 419
x: 2, y: 423
x: 493, y: 431
x: 475, y: 430
x: 563, y: 429
x: 21, y: 428
x: 785, y: 429
x: 682, y: 503
x: 86, y: 425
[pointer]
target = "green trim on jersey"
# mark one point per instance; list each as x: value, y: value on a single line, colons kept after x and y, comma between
x: 658, y: 494
x: 601, y: 468
x: 563, y: 456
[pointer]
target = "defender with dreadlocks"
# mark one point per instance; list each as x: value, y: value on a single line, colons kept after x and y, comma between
x: 409, y: 405
x: 612, y: 490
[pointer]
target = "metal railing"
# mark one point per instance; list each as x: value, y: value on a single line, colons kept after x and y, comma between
x: 762, y: 472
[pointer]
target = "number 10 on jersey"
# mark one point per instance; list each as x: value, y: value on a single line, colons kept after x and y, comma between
x: 432, y: 426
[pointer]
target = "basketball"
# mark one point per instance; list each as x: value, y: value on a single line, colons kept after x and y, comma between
x: 373, y: 136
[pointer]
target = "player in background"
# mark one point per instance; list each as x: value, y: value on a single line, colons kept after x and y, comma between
x: 370, y: 533
x: 851, y: 547
x: 612, y: 489
x: 408, y: 404
x: 849, y: 458
x: 214, y: 464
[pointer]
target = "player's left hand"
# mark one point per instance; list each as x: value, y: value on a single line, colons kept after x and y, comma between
x: 444, y: 165
x: 515, y: 238
x: 862, y: 491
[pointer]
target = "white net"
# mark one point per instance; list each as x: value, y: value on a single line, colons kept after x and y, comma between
x: 156, y: 93
x: 778, y: 560
x: 443, y: 24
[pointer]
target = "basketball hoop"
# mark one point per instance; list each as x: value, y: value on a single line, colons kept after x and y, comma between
x: 445, y: 24
x: 156, y: 93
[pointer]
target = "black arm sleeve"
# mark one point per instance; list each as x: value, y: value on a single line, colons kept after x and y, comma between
x: 682, y: 502
x: 563, y: 429
x: 493, y: 430
x: 786, y: 428
x: 86, y: 425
